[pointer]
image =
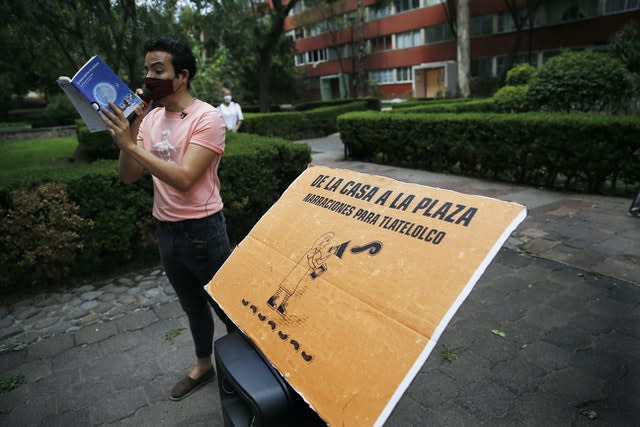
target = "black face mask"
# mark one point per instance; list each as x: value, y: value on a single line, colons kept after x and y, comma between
x: 159, y: 88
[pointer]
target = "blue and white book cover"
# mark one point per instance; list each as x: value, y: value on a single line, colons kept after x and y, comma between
x: 100, y: 85
x: 93, y: 87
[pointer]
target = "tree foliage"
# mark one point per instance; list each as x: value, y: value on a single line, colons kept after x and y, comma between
x: 44, y: 40
x: 234, y: 35
x: 511, y: 98
x: 625, y: 45
x: 521, y: 74
x: 238, y: 43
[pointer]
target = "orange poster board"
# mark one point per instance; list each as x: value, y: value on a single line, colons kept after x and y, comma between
x: 348, y: 281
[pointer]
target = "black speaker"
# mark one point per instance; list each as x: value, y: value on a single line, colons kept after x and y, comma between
x: 634, y: 209
x: 252, y: 392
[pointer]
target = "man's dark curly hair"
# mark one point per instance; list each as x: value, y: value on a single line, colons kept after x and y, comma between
x: 181, y: 54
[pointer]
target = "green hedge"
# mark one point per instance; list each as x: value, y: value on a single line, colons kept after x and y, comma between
x: 511, y: 99
x: 454, y: 105
x: 575, y: 151
x: 308, y: 105
x: 58, y: 112
x: 254, y: 172
x: 303, y: 124
x: 312, y: 105
x: 53, y: 232
x: 425, y: 102
x: 94, y: 146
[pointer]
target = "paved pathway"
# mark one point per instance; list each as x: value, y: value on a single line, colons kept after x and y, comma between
x: 565, y: 290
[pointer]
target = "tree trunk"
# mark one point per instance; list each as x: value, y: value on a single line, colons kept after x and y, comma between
x: 279, y: 12
x: 463, y: 48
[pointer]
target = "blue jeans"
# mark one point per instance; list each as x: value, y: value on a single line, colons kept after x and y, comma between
x: 192, y: 251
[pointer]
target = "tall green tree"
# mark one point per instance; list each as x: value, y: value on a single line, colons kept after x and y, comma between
x: 259, y: 56
x: 625, y: 45
x: 269, y: 40
x: 46, y: 39
x: 523, y: 15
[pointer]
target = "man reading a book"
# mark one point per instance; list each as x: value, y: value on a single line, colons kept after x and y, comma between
x: 180, y: 143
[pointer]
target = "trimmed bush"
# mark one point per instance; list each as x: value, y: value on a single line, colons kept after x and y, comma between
x: 254, y: 172
x: 580, y: 81
x: 574, y: 151
x: 58, y: 112
x: 91, y: 223
x: 302, y: 124
x: 521, y: 74
x: 458, y: 105
x: 511, y: 99
x: 625, y: 45
x: 121, y: 223
x: 371, y: 103
x: 94, y: 146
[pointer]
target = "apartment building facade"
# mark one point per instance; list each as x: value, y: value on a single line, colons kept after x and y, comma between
x: 407, y: 48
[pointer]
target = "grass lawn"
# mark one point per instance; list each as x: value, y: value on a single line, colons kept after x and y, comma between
x: 33, y: 160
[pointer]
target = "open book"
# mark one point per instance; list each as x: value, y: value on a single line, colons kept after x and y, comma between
x: 93, y: 87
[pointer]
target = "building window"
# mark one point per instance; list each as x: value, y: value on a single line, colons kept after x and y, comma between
x: 297, y: 8
x: 318, y: 28
x: 408, y: 39
x: 392, y: 75
x: 543, y: 17
x: 380, y: 13
x: 404, y: 74
x: 339, y: 52
x: 571, y: 10
x: 383, y: 76
x: 616, y: 6
x: 380, y: 44
x: 317, y: 55
x: 437, y: 34
x: 404, y: 5
x: 482, y: 67
x: 501, y: 64
x: 299, y: 59
x: 428, y: 3
x: 482, y: 25
x: 506, y: 24
x: 299, y: 33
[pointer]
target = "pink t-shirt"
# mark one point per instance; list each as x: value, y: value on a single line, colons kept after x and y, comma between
x: 167, y: 135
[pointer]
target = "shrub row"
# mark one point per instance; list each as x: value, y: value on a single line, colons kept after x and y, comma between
x: 58, y: 231
x: 254, y: 172
x: 449, y: 106
x: 58, y: 112
x: 302, y: 106
x: 303, y: 124
x: 577, y: 151
x: 429, y: 103
x: 93, y: 146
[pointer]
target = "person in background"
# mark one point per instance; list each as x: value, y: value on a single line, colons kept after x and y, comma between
x: 231, y: 111
x: 180, y: 142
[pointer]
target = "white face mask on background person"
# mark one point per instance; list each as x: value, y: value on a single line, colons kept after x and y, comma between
x: 227, y: 98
